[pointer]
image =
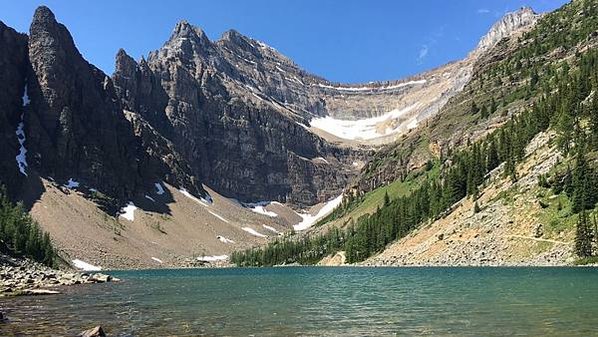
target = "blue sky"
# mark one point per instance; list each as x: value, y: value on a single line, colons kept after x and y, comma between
x: 345, y: 41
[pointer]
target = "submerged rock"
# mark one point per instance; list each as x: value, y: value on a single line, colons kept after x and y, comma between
x: 95, y: 332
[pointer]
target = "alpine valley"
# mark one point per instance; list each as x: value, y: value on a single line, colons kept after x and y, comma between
x: 226, y: 152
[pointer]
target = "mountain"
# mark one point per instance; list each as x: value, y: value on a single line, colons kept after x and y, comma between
x: 236, y: 139
x: 207, y: 147
x: 503, y: 174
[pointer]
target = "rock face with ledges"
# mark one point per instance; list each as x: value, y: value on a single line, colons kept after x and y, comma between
x: 77, y: 127
x: 13, y: 70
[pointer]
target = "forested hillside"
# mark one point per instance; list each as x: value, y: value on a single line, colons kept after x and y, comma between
x: 548, y: 80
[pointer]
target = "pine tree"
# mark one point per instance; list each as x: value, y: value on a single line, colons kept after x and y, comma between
x: 565, y: 127
x: 474, y: 108
x: 484, y: 112
x: 593, y: 112
x: 583, y: 182
x: 583, y: 236
x: 492, y: 160
x: 492, y: 106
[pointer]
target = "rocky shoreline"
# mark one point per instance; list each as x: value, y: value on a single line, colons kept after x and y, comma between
x: 21, y: 276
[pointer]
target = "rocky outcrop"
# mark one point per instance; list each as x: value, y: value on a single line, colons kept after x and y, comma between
x: 21, y: 276
x: 505, y: 27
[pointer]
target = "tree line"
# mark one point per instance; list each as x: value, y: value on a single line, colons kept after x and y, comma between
x: 21, y: 235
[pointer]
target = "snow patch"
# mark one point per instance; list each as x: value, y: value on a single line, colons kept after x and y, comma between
x: 149, y: 198
x: 218, y: 216
x: 212, y: 258
x: 22, y: 156
x: 322, y: 159
x: 26, y: 99
x: 159, y: 189
x: 260, y: 208
x: 309, y: 220
x: 200, y: 201
x: 365, y: 129
x: 296, y: 80
x: 272, y: 229
x: 254, y: 232
x: 128, y: 212
x: 157, y: 259
x: 85, y: 266
x: 389, y: 87
x: 412, y: 124
x: 71, y: 184
x: 224, y: 240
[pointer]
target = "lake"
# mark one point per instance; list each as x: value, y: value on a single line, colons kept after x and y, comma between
x: 319, y: 301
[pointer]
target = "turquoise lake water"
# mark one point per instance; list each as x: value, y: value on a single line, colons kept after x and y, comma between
x: 311, y: 301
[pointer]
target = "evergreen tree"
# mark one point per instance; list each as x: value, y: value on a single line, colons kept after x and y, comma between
x: 583, y: 184
x: 492, y: 160
x: 593, y: 112
x: 474, y: 108
x: 22, y: 235
x: 565, y: 127
x: 583, y: 236
x: 484, y: 112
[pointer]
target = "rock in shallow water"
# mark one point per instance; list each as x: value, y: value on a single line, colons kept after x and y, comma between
x: 95, y: 332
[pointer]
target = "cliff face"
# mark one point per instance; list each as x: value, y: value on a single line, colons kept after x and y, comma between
x: 13, y: 103
x: 76, y: 127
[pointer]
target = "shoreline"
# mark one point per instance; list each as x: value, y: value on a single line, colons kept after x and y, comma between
x: 22, y: 276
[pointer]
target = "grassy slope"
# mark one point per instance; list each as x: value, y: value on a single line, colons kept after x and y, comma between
x: 375, y: 198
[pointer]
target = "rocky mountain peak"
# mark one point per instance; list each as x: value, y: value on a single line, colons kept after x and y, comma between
x: 184, y: 30
x: 187, y: 42
x: 49, y: 35
x: 231, y: 35
x: 507, y: 25
x: 236, y: 42
x: 43, y: 15
x: 124, y: 62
